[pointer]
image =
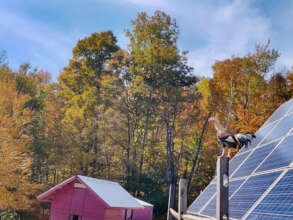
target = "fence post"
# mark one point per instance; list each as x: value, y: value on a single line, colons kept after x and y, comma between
x: 169, y: 217
x: 222, y: 207
x: 182, y: 198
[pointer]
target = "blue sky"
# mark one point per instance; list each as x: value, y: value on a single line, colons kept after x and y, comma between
x: 44, y: 32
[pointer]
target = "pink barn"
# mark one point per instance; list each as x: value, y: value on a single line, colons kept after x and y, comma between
x: 86, y: 198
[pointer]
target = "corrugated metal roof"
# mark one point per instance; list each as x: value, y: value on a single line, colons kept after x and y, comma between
x: 143, y: 203
x: 112, y: 193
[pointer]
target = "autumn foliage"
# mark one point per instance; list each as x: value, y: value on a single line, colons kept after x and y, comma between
x: 137, y: 116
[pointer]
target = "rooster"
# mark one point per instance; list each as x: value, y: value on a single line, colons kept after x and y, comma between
x: 245, y: 139
x: 227, y: 138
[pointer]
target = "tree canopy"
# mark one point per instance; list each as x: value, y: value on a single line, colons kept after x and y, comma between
x: 136, y: 115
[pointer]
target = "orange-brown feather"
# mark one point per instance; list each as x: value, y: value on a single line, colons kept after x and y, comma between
x: 224, y: 133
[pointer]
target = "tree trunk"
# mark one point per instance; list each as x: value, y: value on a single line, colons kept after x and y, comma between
x: 170, y: 160
x: 194, y: 162
x: 230, y: 104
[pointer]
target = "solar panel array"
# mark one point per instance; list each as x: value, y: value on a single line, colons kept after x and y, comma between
x: 261, y: 176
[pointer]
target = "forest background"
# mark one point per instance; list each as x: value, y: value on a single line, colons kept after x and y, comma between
x: 137, y: 116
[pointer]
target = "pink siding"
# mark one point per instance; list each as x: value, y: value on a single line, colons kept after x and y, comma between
x: 143, y: 214
x: 61, y: 202
x: 93, y: 206
x: 114, y: 214
x: 76, y: 201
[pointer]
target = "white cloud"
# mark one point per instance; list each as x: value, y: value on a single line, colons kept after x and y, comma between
x: 228, y: 28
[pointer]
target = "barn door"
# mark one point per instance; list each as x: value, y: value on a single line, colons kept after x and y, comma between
x: 77, y: 201
x: 128, y: 215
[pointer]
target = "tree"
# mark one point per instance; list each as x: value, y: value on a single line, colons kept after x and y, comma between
x: 80, y: 89
x: 163, y: 73
x: 244, y: 77
x: 17, y: 192
x: 278, y: 89
x: 290, y: 83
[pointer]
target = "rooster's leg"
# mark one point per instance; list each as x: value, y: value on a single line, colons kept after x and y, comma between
x: 229, y: 152
x: 223, y: 151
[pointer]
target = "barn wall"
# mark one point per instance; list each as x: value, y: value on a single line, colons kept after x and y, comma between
x: 114, y: 214
x: 94, y: 207
x: 143, y: 214
x: 76, y: 201
x: 60, y: 206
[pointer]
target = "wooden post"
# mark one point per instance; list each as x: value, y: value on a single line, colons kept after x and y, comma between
x: 182, y: 198
x: 222, y: 208
x: 169, y: 217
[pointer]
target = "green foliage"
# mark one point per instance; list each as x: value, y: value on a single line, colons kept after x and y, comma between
x: 203, y: 87
x: 9, y: 215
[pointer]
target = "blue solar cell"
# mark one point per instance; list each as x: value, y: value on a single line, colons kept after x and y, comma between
x: 280, y: 157
x: 280, y: 129
x: 254, y: 160
x: 278, y: 203
x: 281, y: 111
x: 236, y: 161
x: 249, y: 192
x: 202, y: 199
x: 268, y: 217
x: 210, y: 209
x: 260, y: 134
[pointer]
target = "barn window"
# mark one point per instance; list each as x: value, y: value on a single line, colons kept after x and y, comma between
x: 75, y: 217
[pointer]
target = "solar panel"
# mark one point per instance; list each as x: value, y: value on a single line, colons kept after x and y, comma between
x: 236, y: 161
x: 210, y: 209
x: 249, y: 192
x: 254, y: 160
x: 282, y: 156
x: 280, y: 112
x: 278, y: 203
x: 282, y: 128
x: 257, y: 188
x: 202, y: 199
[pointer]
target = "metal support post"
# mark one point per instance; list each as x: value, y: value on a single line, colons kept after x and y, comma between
x: 222, y: 208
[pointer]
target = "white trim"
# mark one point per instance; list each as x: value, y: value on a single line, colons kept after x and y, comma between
x: 264, y: 194
x: 206, y: 216
x: 79, y: 185
x: 143, y: 203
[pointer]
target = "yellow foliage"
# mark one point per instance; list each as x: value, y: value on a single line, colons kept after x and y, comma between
x: 15, y: 157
